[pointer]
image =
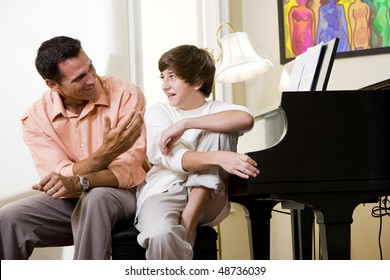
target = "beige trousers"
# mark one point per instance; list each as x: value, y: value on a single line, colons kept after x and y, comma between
x: 159, y: 218
x: 86, y: 223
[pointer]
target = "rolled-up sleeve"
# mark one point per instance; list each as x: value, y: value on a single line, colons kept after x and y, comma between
x: 128, y: 166
x: 48, y: 151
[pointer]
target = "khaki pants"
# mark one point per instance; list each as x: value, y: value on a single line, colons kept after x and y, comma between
x: 158, y: 221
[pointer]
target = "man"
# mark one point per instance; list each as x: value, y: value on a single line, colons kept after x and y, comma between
x: 87, y: 139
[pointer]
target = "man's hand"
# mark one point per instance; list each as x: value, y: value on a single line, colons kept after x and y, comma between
x: 118, y: 140
x: 58, y: 186
x: 237, y: 164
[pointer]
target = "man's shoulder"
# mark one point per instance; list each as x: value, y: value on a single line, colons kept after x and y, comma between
x: 42, y: 104
x: 116, y: 84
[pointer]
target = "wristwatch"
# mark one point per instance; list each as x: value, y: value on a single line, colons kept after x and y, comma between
x: 84, y: 183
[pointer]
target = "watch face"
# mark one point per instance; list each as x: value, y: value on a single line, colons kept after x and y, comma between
x: 84, y: 183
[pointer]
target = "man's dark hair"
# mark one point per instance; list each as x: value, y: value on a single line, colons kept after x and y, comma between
x: 191, y: 64
x: 54, y: 51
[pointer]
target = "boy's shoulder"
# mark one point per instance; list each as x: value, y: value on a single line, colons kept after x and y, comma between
x: 218, y: 106
x: 158, y: 108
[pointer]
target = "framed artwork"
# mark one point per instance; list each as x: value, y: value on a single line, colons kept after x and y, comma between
x: 363, y: 26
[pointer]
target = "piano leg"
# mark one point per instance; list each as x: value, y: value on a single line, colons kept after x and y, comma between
x: 302, y: 220
x: 260, y: 216
x: 335, y: 238
x: 333, y: 211
x: 302, y: 233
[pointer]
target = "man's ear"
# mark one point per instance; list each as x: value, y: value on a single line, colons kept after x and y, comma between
x: 52, y: 85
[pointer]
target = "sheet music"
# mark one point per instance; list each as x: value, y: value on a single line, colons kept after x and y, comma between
x: 304, y: 71
x: 296, y: 73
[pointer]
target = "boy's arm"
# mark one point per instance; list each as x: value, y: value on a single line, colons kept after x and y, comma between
x: 233, y: 163
x: 225, y: 122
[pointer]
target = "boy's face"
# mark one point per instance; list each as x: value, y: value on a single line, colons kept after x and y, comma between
x: 180, y: 94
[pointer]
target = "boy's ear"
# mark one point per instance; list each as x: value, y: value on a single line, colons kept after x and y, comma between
x: 198, y: 86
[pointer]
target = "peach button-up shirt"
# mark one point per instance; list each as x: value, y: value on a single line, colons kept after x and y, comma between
x: 58, y: 138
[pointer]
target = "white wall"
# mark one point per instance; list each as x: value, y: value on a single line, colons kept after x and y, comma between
x: 165, y: 24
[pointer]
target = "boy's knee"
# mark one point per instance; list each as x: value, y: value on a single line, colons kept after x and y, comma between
x: 165, y: 234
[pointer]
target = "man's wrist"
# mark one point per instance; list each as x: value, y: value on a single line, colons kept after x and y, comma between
x: 84, y: 183
x: 100, y: 160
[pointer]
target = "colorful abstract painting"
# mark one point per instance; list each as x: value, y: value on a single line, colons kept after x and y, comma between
x: 363, y: 26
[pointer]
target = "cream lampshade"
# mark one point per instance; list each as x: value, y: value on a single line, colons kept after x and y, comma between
x: 239, y: 61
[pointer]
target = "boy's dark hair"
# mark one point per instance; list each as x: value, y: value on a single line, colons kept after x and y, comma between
x: 191, y: 64
x: 54, y: 51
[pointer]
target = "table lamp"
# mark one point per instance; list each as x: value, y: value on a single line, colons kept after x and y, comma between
x: 239, y: 61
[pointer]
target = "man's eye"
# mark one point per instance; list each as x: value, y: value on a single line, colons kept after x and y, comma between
x: 78, y: 79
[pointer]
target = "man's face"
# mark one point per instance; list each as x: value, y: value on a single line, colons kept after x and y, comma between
x: 78, y: 80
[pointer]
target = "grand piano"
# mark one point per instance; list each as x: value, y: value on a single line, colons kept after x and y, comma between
x: 334, y: 154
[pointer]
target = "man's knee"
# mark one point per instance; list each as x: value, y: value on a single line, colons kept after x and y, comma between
x: 11, y: 214
x: 93, y: 196
x: 103, y: 195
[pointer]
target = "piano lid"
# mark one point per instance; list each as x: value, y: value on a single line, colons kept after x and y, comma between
x: 332, y: 135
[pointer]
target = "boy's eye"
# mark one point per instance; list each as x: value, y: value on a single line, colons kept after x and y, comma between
x: 170, y: 76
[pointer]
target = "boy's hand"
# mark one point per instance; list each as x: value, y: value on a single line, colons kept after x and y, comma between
x: 169, y: 137
x: 237, y: 164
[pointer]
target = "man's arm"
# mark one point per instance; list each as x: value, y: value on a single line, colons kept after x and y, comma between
x: 115, y: 142
x: 117, y: 162
x: 58, y: 186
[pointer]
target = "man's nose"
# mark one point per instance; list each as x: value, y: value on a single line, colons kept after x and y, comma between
x: 91, y: 77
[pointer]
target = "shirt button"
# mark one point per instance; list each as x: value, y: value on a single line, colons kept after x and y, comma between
x: 82, y: 145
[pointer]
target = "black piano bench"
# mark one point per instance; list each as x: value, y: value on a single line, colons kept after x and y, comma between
x: 126, y: 247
